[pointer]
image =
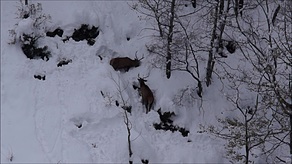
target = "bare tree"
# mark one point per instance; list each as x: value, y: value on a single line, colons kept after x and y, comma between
x: 264, y: 69
x: 251, y: 128
x: 169, y: 38
x: 174, y: 42
x: 124, y: 106
x: 219, y: 21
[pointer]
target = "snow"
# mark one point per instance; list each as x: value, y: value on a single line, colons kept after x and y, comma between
x: 39, y: 119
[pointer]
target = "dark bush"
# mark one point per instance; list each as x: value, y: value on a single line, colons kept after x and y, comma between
x: 31, y: 50
x: 166, y: 123
x: 85, y: 33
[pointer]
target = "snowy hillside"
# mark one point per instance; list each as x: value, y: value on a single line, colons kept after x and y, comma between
x: 72, y: 115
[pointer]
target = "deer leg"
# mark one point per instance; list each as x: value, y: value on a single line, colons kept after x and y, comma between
x: 146, y: 105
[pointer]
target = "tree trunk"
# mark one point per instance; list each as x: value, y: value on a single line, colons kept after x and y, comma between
x: 290, y: 144
x: 290, y: 114
x: 211, y: 61
x: 240, y: 6
x: 219, y: 10
x: 169, y: 40
x: 246, y: 140
x: 26, y: 2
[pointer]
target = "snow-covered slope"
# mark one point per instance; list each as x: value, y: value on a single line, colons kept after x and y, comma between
x: 39, y: 119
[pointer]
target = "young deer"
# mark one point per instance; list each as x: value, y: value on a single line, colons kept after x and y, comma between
x: 147, y: 95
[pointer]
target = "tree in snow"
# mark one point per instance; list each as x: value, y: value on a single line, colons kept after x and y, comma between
x: 126, y: 109
x: 249, y: 131
x: 218, y: 18
x: 264, y: 67
x: 174, y: 37
x: 268, y: 49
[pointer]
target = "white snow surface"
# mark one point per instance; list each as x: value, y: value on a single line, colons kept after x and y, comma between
x: 39, y: 118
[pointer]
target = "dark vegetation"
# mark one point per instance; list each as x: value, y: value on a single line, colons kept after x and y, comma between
x: 166, y: 123
x: 31, y: 49
x: 86, y: 33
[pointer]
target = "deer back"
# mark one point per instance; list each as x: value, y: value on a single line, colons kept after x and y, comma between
x: 124, y: 63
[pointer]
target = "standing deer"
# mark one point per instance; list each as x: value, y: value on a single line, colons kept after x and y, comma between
x: 125, y: 63
x: 147, y: 95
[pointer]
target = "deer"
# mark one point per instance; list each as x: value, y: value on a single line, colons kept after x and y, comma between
x: 146, y: 93
x: 125, y: 63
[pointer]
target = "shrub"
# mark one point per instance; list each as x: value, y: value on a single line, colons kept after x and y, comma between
x: 29, y: 29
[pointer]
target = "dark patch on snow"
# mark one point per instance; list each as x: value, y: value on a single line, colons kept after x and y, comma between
x: 231, y: 47
x: 57, y: 31
x: 144, y: 161
x: 25, y: 16
x: 101, y: 92
x: 78, y: 125
x: 117, y: 103
x: 135, y: 86
x: 127, y: 108
x: 94, y: 145
x: 194, y: 4
x: 100, y: 57
x: 90, y: 41
x: 40, y: 77
x: 86, y: 33
x: 166, y: 123
x: 64, y: 62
